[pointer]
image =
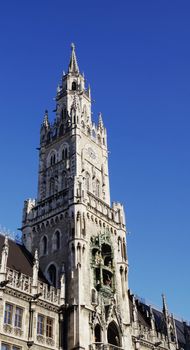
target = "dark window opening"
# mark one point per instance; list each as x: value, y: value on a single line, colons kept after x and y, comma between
x: 108, y: 261
x: 113, y: 334
x: 61, y: 129
x: 107, y: 278
x: 57, y: 240
x: 52, y: 160
x: 44, y: 245
x: 74, y: 86
x: 52, y: 275
x: 97, y: 333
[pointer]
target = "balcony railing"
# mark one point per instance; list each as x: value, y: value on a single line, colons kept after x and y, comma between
x: 101, y: 346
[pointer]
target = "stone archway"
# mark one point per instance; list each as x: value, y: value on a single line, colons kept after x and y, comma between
x: 113, y: 334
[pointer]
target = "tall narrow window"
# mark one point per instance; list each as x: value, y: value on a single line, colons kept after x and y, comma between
x: 74, y: 85
x: 44, y: 245
x: 8, y: 313
x: 52, y: 159
x: 49, y: 327
x: 57, y: 240
x: 52, y: 275
x: 40, y: 325
x: 64, y: 153
x: 18, y: 317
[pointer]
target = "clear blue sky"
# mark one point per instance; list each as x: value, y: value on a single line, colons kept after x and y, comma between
x: 136, y: 56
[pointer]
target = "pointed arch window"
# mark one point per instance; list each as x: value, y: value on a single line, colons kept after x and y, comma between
x: 65, y: 153
x: 44, y: 246
x: 52, y: 159
x: 113, y: 334
x: 74, y: 85
x: 57, y: 240
x: 52, y: 275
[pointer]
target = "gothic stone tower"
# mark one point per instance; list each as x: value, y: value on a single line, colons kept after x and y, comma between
x: 72, y: 224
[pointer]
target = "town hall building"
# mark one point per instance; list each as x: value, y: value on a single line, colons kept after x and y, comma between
x: 66, y: 286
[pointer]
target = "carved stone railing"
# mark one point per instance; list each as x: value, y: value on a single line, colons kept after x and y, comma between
x: 23, y: 283
x: 19, y: 281
x: 49, y: 293
x: 53, y: 204
x: 98, y: 205
x: 101, y: 346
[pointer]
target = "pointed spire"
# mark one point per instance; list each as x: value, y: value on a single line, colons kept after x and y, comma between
x: 164, y: 307
x: 89, y: 91
x: 35, y: 272
x: 100, y: 122
x: 45, y: 122
x: 4, y: 256
x: 73, y: 65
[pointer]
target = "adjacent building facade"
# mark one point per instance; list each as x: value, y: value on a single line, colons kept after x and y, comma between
x: 66, y: 286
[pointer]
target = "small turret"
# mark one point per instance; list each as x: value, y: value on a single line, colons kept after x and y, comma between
x: 35, y: 273
x: 100, y: 122
x: 164, y: 307
x: 4, y: 257
x: 44, y: 127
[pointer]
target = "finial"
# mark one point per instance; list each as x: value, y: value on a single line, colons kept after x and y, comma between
x: 165, y: 308
x: 35, y: 271
x: 100, y: 121
x: 72, y: 46
x: 46, y: 120
x: 4, y: 255
x: 36, y: 254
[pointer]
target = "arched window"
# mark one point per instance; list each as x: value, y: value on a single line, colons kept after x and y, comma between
x: 44, y: 245
x: 52, y: 159
x: 51, y: 274
x: 65, y: 153
x: 74, y: 85
x: 113, y: 334
x: 57, y: 240
x: 97, y: 333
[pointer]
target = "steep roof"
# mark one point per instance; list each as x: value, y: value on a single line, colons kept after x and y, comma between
x: 143, y: 310
x: 20, y: 259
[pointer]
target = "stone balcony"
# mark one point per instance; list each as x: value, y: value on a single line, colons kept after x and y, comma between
x: 102, y: 346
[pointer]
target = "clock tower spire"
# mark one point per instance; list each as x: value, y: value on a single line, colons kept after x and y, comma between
x: 72, y: 223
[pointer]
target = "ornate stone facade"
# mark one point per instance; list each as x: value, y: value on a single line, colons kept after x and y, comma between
x: 75, y: 294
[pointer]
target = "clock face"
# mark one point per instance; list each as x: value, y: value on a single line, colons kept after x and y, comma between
x: 91, y: 153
